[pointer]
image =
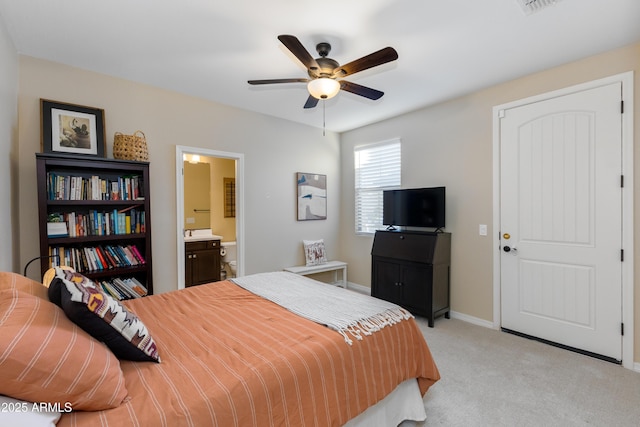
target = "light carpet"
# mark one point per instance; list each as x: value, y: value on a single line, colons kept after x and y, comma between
x: 491, y: 378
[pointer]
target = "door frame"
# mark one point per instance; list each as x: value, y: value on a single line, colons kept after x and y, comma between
x: 627, y: 237
x: 181, y: 150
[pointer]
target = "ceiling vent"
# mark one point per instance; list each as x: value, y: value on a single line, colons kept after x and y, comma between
x: 531, y: 6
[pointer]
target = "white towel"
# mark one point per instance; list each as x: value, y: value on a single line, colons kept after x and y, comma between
x: 344, y: 311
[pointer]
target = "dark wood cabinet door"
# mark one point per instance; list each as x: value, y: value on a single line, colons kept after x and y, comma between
x: 416, y: 287
x: 188, y: 267
x: 202, y: 263
x: 206, y: 266
x: 387, y: 281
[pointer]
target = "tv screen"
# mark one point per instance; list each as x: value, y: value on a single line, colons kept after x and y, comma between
x: 415, y: 207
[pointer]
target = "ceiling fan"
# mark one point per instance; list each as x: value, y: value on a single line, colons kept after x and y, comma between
x: 324, y: 72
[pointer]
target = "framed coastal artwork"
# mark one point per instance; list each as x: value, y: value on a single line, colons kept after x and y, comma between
x: 311, y: 196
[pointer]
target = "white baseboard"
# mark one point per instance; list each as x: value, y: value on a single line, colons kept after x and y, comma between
x: 454, y: 314
x: 359, y: 288
x: 471, y: 319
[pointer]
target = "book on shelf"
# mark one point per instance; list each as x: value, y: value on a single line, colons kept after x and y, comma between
x: 123, y: 288
x: 57, y: 229
x: 98, y: 258
x: 98, y: 223
x: 69, y: 187
x: 109, y: 289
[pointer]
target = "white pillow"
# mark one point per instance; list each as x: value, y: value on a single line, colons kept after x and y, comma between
x: 14, y: 412
x: 314, y: 252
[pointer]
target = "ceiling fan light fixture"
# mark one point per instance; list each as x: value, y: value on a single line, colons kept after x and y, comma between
x: 323, y: 88
x: 324, y: 72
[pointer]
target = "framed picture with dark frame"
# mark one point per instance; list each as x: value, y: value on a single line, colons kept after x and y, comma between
x: 71, y: 129
x: 312, y: 196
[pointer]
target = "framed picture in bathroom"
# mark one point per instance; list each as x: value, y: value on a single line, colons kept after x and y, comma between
x: 311, y: 196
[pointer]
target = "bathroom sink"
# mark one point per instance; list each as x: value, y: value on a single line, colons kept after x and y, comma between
x: 200, y: 236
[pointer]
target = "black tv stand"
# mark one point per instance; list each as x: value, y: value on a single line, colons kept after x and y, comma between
x: 411, y: 269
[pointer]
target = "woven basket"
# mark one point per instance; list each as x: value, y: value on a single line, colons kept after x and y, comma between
x: 130, y: 147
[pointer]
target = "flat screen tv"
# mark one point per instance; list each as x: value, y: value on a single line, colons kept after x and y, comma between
x: 414, y: 207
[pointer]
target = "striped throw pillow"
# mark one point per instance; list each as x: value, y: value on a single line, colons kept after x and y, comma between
x: 44, y: 357
x: 9, y: 280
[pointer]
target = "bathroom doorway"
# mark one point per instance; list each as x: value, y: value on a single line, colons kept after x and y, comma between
x: 221, y: 211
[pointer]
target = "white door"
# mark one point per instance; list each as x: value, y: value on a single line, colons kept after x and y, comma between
x: 561, y: 220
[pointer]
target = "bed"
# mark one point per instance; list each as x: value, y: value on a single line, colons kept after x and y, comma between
x: 229, y: 357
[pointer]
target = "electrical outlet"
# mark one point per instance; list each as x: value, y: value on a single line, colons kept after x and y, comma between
x: 482, y: 229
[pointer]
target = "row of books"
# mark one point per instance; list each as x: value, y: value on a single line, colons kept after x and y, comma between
x: 98, y: 258
x: 123, y: 288
x: 67, y: 187
x: 96, y: 223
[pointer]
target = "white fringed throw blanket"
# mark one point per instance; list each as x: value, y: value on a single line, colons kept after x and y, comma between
x: 346, y: 312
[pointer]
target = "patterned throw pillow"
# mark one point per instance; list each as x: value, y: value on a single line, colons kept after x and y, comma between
x: 314, y: 252
x: 102, y: 316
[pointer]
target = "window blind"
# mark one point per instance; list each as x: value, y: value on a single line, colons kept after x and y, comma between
x: 378, y: 167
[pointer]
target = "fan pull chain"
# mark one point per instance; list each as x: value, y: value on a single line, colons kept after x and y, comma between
x: 323, y: 117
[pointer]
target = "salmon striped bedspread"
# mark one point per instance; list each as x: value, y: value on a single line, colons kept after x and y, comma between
x: 232, y: 358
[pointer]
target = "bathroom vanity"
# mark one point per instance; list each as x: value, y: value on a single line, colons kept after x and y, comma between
x: 202, y: 259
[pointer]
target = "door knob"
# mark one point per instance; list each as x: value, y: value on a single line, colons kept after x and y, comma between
x: 509, y: 249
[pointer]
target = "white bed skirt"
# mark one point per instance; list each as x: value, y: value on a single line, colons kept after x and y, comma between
x: 403, y: 403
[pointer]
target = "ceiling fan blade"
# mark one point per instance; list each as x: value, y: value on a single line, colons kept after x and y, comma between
x: 311, y: 102
x: 293, y: 44
x: 374, y: 59
x: 272, y: 81
x: 367, y: 92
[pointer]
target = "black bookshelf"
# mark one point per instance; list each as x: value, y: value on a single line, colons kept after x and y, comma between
x: 118, y: 215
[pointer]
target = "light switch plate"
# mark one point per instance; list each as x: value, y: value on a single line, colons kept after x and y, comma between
x: 482, y: 229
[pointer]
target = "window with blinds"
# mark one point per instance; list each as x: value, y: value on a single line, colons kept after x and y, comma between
x: 377, y: 168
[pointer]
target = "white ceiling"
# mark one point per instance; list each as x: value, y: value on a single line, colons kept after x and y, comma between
x: 210, y: 49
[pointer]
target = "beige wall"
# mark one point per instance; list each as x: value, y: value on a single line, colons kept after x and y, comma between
x: 274, y: 150
x: 451, y: 144
x: 8, y: 152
